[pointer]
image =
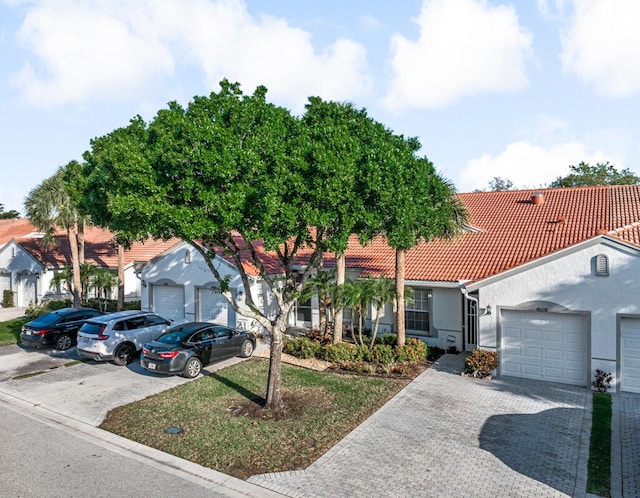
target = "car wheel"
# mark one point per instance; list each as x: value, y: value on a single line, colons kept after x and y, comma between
x: 63, y: 342
x: 124, y: 354
x: 192, y: 368
x: 247, y: 349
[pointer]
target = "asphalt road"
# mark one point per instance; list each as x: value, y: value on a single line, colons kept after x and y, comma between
x: 43, y: 458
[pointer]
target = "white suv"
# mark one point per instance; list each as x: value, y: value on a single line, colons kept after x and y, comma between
x: 118, y: 336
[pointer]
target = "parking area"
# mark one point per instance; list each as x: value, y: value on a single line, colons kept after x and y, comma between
x: 84, y: 391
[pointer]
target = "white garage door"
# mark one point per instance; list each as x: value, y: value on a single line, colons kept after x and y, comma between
x: 630, y: 355
x: 168, y: 301
x: 544, y: 346
x: 214, y: 307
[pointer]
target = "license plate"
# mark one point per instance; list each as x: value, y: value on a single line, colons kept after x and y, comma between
x: 83, y: 339
x: 151, y: 366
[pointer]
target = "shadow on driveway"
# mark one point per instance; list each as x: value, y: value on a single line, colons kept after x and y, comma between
x: 539, y: 445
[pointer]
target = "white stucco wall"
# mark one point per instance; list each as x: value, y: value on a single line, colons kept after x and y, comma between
x: 570, y: 283
x: 26, y: 274
x: 173, y: 266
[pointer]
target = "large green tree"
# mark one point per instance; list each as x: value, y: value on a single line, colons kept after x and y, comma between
x: 237, y: 176
x: 586, y: 175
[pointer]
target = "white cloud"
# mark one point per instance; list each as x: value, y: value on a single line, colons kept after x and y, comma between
x: 111, y: 49
x: 529, y: 165
x: 465, y: 47
x: 602, y: 46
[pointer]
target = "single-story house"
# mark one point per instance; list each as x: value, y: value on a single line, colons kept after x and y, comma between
x: 548, y: 278
x: 27, y: 267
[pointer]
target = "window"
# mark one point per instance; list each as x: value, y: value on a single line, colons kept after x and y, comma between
x: 417, y: 313
x: 156, y: 320
x: 219, y: 332
x: 303, y: 308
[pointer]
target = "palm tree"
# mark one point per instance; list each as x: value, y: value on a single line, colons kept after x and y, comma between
x: 356, y: 295
x: 50, y: 207
x: 383, y: 292
x: 323, y: 286
x: 63, y: 278
x: 103, y: 281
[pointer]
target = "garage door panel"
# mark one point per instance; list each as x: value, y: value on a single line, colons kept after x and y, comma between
x: 168, y: 301
x: 214, y: 307
x: 553, y: 355
x: 532, y: 335
x: 630, y: 355
x: 534, y: 353
x: 552, y: 346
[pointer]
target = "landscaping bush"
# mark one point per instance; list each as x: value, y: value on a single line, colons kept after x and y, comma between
x: 34, y: 310
x: 602, y: 381
x: 413, y: 350
x: 339, y: 353
x: 388, y: 339
x: 301, y: 347
x: 382, y: 354
x: 7, y: 298
x: 480, y: 363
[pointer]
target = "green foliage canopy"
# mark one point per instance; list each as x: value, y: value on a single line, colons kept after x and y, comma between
x: 585, y: 175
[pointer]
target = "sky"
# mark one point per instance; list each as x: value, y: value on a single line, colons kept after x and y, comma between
x: 518, y: 89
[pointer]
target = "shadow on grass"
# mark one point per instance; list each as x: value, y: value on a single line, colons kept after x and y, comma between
x: 250, y: 395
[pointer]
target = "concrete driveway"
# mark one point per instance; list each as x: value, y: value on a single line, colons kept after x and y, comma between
x: 82, y: 391
x: 445, y: 435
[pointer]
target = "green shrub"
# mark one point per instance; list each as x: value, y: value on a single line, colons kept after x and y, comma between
x: 414, y: 350
x: 388, y: 339
x: 7, y: 298
x: 362, y: 353
x: 34, y: 310
x: 301, y: 347
x: 339, y: 353
x: 382, y: 354
x: 481, y: 362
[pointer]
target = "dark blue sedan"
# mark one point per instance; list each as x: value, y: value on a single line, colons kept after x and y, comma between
x: 184, y: 349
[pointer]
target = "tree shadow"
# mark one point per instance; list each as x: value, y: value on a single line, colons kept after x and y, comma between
x: 544, y: 446
x: 246, y: 393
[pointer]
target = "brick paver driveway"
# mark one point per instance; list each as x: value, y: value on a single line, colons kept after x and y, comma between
x: 445, y: 435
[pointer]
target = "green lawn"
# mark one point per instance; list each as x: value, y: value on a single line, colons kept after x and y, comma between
x: 599, y: 478
x: 225, y: 429
x: 10, y: 331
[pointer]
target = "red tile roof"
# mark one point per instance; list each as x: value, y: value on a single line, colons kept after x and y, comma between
x: 511, y: 231
x: 514, y: 231
x: 99, y: 248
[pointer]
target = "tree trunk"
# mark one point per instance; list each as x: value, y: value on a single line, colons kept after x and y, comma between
x: 322, y: 306
x: 120, y: 305
x: 400, y: 269
x: 340, y: 277
x: 274, y: 393
x: 75, y: 264
x: 81, y: 243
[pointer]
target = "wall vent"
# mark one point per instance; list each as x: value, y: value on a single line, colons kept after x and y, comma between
x: 602, y: 265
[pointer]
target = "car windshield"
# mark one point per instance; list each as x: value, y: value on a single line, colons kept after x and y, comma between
x: 44, y: 320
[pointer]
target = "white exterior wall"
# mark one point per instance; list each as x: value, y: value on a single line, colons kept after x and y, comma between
x: 27, y: 278
x: 570, y: 283
x: 447, y: 318
x: 172, y: 267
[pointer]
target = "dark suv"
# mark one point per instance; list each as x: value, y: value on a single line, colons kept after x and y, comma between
x: 58, y: 328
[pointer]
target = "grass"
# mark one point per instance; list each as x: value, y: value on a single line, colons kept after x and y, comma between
x: 599, y: 477
x: 10, y: 331
x: 225, y: 429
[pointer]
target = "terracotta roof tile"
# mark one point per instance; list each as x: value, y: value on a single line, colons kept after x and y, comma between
x: 99, y: 248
